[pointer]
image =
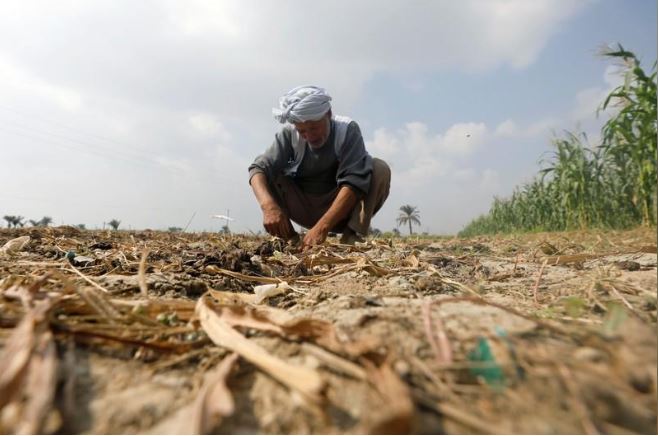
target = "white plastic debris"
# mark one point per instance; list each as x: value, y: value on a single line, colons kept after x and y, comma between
x: 14, y: 245
x: 263, y: 292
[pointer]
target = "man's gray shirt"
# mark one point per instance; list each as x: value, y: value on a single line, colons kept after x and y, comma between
x: 321, y: 170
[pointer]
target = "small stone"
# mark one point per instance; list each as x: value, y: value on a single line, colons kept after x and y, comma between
x: 192, y: 336
x: 628, y: 265
x: 81, y: 260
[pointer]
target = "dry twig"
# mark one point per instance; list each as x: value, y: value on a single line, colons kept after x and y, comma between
x: 536, y: 287
x: 141, y: 275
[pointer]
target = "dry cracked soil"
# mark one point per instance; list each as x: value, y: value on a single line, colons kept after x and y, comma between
x: 154, y: 332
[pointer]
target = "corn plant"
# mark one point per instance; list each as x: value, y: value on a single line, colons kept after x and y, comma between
x: 612, y: 185
x: 629, y: 138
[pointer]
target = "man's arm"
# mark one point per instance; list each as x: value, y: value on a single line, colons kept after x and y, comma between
x: 339, y: 210
x: 355, y: 164
x: 275, y: 220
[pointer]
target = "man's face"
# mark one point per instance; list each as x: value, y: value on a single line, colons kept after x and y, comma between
x: 315, y: 132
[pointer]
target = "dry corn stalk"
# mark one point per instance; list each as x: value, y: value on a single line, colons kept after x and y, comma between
x: 28, y: 374
x: 396, y: 413
x: 215, y: 401
x: 305, y: 380
x: 14, y: 245
x: 280, y: 322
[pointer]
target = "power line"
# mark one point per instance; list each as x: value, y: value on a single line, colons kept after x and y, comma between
x: 127, y: 150
x: 95, y: 148
x: 90, y: 149
x: 58, y: 143
x: 32, y: 117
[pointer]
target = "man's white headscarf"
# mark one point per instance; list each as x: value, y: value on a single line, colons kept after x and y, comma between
x: 304, y: 103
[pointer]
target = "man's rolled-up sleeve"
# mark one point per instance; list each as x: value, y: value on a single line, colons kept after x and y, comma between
x: 274, y: 159
x: 355, y: 164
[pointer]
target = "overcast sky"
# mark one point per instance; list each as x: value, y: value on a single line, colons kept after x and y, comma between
x: 151, y: 111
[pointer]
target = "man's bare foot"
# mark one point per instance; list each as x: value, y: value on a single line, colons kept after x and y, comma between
x: 349, y: 237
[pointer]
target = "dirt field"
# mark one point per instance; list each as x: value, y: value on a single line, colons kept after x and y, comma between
x: 152, y: 332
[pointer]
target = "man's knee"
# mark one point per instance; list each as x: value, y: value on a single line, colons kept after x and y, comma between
x: 380, y: 184
x: 381, y: 171
x: 381, y: 175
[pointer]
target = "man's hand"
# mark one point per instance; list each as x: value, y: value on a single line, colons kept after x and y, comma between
x: 317, y: 235
x: 339, y: 209
x: 277, y: 223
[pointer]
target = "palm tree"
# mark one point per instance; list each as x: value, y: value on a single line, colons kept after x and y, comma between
x: 114, y: 223
x: 45, y: 221
x: 14, y: 221
x: 409, y: 214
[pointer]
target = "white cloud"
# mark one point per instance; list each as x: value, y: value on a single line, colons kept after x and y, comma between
x: 464, y: 174
x: 418, y: 144
x: 490, y: 180
x: 613, y: 76
x: 589, y: 100
x: 23, y: 82
x: 536, y: 129
x: 460, y: 139
x: 197, y: 18
x: 507, y: 128
x: 178, y: 93
x: 383, y: 145
x: 419, y: 157
x: 517, y: 29
x: 581, y: 115
x: 463, y: 138
x: 421, y: 173
x: 544, y: 127
x: 208, y: 125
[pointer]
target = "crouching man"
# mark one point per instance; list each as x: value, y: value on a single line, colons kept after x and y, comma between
x: 317, y: 172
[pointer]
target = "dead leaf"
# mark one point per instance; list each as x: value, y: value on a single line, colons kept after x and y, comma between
x: 28, y: 372
x: 411, y: 260
x: 213, y: 269
x: 39, y: 390
x: 302, y: 379
x: 14, y: 245
x: 280, y: 322
x: 214, y: 401
x: 570, y: 258
x: 263, y: 292
x: 395, y: 414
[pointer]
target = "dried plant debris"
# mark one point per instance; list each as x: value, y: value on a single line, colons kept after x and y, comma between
x: 153, y: 332
x: 14, y: 245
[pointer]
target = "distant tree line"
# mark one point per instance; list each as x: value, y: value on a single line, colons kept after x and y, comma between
x: 19, y: 221
x: 16, y: 221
